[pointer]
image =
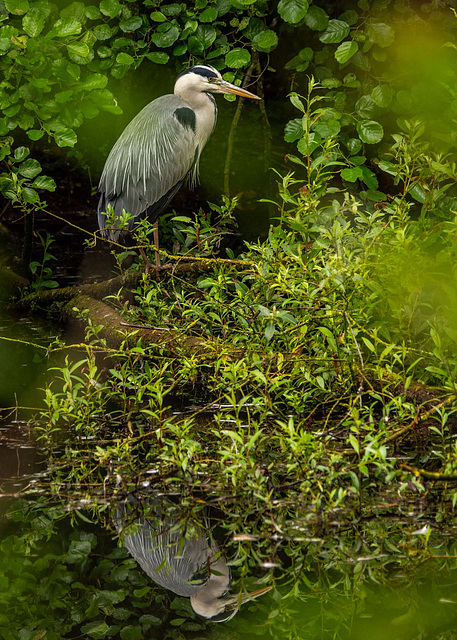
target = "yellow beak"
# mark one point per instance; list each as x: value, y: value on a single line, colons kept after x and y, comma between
x: 255, y: 594
x: 226, y: 87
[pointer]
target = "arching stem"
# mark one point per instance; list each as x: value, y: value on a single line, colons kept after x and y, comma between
x: 236, y: 118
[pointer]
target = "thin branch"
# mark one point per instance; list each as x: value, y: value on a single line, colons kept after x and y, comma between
x: 235, y: 120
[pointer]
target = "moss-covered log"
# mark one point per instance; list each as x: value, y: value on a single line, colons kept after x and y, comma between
x: 98, y: 290
x: 10, y: 282
x: 117, y: 333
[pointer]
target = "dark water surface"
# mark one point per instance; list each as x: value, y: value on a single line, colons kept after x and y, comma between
x: 64, y: 573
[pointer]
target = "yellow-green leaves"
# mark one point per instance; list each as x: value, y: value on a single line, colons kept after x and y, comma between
x: 346, y: 50
x: 17, y: 7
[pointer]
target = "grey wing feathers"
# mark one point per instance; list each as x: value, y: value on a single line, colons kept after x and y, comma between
x: 149, y: 161
x: 169, y: 555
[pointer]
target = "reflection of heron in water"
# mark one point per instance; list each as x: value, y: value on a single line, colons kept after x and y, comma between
x: 181, y: 558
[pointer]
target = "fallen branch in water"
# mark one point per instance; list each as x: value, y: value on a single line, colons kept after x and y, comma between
x: 10, y: 282
x: 125, y: 281
x: 117, y: 335
x: 430, y: 475
x: 97, y: 290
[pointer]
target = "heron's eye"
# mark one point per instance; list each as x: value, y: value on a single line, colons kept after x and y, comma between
x: 212, y: 79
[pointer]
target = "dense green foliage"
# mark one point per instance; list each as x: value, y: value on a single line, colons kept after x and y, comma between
x: 323, y: 396
x: 380, y: 64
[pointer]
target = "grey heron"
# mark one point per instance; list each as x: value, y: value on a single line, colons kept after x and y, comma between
x: 182, y: 557
x: 159, y: 149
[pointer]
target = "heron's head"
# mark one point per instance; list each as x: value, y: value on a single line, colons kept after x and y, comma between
x: 207, y: 79
x: 221, y: 609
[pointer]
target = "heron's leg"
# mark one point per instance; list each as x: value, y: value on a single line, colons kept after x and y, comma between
x: 156, y: 243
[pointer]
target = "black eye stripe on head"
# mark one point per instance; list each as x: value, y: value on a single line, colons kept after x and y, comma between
x: 200, y: 71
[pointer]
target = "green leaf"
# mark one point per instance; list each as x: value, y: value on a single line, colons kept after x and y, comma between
x: 195, y: 46
x: 124, y: 58
x: 380, y: 33
x: 237, y: 58
x: 298, y: 104
x: 382, y: 95
x: 78, y: 49
x: 18, y: 7
x: 158, y: 57
x: 370, y: 131
x: 131, y: 25
x: 63, y: 96
x: 206, y: 34
x: 65, y: 138
x: 105, y: 100
x: 157, y: 16
x: 388, y: 167
x: 148, y: 620
x: 35, y: 134
x: 365, y: 107
x: 208, y: 15
x: 376, y: 196
x: 328, y: 128
x: 94, y: 81
x: 354, y: 443
x: 336, y: 31
x: 44, y: 182
x: 294, y: 130
x: 369, y: 178
x: 92, y: 13
x: 30, y: 168
x: 30, y: 195
x: 67, y: 27
x: 175, y: 8
x: 167, y: 36
x: 180, y: 50
x: 308, y: 144
x: 292, y: 11
x: 316, y: 18
x: 78, y: 551
x: 265, y: 41
x: 96, y: 630
x: 352, y: 174
x: 358, y: 160
x: 33, y: 22
x: 21, y: 154
x: 103, y: 31
x: 346, y: 50
x: 418, y: 193
x: 110, y: 8
x: 269, y: 331
x: 331, y: 83
x: 131, y: 632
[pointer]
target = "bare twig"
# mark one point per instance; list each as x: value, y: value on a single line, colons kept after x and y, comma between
x: 235, y: 120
